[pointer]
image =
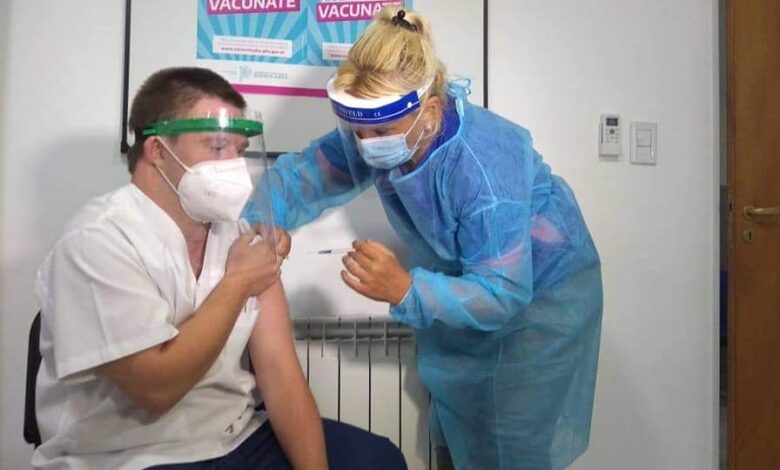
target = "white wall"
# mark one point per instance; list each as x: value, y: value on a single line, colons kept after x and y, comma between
x: 4, y: 402
x: 61, y: 109
x: 565, y: 63
x: 555, y: 66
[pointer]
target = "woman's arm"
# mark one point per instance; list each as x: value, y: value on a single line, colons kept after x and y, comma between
x: 300, y: 186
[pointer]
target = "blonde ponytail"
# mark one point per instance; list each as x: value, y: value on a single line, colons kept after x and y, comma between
x: 395, y: 55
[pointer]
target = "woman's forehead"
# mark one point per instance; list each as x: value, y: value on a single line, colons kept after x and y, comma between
x: 398, y: 123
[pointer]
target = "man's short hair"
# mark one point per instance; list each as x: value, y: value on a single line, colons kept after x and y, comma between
x: 169, y: 94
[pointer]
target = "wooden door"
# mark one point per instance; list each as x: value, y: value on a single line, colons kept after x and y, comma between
x: 753, y: 133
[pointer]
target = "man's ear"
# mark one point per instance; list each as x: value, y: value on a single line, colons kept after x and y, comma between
x: 153, y: 152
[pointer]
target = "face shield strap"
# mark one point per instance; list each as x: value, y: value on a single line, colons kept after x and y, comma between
x: 373, y: 111
x: 176, y: 158
x: 162, y: 173
x: 173, y: 154
x: 245, y: 127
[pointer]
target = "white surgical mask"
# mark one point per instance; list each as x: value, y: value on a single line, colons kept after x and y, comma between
x: 213, y: 190
x: 390, y: 151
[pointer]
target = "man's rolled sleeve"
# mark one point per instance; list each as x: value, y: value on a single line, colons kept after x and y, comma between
x: 100, y: 302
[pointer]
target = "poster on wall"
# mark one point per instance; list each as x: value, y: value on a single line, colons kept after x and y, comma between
x: 281, y: 47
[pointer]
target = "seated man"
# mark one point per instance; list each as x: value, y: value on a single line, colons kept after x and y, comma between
x: 152, y: 295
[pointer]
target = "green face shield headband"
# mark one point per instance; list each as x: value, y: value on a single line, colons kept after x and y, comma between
x: 241, y: 126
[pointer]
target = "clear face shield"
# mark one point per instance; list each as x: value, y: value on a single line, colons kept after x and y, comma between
x: 229, y: 149
x: 368, y: 126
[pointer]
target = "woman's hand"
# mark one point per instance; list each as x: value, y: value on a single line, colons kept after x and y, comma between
x: 373, y: 271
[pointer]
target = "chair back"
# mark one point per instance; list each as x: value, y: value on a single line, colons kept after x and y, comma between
x: 31, y: 433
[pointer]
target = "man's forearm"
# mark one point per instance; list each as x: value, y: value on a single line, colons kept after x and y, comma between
x: 157, y: 378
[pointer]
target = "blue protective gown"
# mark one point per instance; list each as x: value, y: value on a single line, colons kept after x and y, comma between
x: 506, y: 298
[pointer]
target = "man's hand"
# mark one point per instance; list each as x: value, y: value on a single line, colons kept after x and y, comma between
x: 374, y: 271
x: 256, y: 265
x: 283, y: 241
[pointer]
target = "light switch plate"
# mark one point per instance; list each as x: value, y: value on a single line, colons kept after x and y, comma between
x: 644, y: 143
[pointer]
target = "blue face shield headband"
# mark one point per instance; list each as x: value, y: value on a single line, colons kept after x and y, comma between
x: 373, y: 111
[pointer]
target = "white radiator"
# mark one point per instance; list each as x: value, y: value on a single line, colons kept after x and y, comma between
x: 364, y: 373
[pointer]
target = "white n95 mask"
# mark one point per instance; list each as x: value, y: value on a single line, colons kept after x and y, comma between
x: 213, y: 190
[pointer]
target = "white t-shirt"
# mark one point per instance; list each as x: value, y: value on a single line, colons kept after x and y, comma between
x: 117, y: 282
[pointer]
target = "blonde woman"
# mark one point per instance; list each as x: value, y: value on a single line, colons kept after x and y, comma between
x: 505, y: 290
